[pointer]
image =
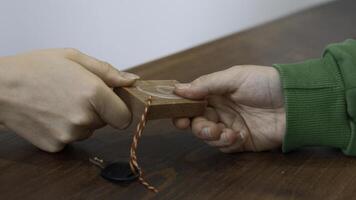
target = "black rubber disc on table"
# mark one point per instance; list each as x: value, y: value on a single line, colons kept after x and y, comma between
x: 118, y: 172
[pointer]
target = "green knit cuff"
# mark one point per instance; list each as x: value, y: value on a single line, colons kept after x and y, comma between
x: 315, y: 104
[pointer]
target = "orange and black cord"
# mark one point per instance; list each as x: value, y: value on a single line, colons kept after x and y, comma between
x: 133, y: 158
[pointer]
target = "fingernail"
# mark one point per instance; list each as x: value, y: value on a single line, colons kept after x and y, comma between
x: 182, y: 86
x: 131, y: 76
x: 224, y: 137
x: 242, y: 136
x: 206, y: 132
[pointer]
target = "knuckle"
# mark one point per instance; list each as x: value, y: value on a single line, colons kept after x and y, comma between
x: 231, y: 139
x: 65, y: 137
x: 201, y: 79
x: 106, y: 66
x: 54, y: 148
x: 107, y: 69
x: 71, y: 52
x: 237, y: 68
x: 80, y: 120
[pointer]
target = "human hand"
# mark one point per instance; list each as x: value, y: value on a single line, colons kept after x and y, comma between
x: 56, y: 96
x: 245, y: 109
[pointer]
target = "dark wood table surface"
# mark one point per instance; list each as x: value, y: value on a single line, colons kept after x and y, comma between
x: 181, y: 166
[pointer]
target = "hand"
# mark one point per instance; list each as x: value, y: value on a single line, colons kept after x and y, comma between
x: 245, y: 109
x: 57, y: 96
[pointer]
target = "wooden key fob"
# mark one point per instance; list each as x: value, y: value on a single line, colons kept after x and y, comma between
x: 165, y: 104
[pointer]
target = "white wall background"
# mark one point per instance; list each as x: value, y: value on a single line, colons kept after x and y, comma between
x: 130, y: 32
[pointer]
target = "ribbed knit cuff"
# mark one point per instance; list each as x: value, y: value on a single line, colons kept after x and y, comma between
x: 315, y: 104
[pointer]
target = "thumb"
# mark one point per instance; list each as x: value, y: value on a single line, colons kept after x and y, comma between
x: 111, y: 108
x: 221, y: 82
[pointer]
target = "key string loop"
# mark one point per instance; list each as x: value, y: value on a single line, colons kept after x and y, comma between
x: 135, y: 168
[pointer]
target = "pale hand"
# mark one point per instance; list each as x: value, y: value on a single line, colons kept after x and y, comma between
x: 56, y: 96
x: 245, y: 109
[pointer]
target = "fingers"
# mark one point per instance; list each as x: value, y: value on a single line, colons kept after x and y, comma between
x: 111, y: 108
x: 50, y: 146
x: 227, y: 138
x: 184, y: 123
x: 111, y: 76
x: 205, y: 129
x: 181, y: 123
x: 221, y: 82
x: 217, y: 135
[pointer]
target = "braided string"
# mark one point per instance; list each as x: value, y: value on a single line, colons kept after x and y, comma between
x: 135, y: 168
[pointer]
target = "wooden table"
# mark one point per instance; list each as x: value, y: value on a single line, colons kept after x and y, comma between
x: 181, y: 166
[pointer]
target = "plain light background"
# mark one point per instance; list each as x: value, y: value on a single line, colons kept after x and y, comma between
x: 130, y: 32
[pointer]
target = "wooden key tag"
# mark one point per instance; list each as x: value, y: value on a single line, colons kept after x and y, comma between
x: 165, y: 104
x: 148, y: 100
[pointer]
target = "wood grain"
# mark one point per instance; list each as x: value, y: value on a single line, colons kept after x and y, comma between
x: 181, y: 166
x: 165, y: 104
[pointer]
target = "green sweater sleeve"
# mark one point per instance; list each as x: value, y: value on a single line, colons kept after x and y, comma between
x: 320, y: 100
